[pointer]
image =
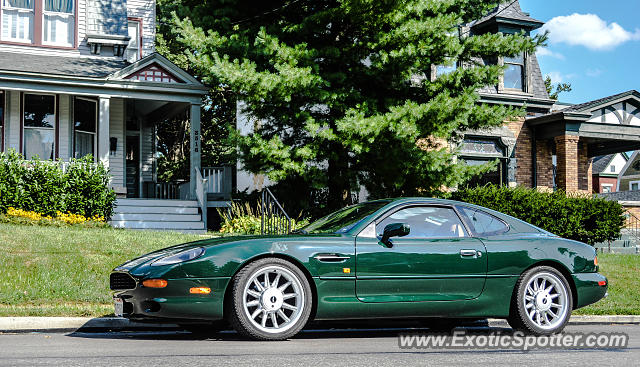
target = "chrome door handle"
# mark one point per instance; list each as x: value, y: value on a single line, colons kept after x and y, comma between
x: 332, y: 258
x: 468, y: 253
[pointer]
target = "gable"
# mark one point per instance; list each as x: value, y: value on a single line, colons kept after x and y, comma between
x: 154, y: 73
x: 155, y: 68
x: 621, y: 113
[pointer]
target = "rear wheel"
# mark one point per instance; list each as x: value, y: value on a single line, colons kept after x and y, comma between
x: 271, y: 300
x: 543, y: 302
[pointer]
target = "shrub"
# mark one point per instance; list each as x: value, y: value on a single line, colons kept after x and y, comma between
x: 46, y: 188
x: 245, y: 219
x: 574, y: 216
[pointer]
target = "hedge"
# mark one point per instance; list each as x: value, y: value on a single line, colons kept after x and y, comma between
x: 582, y: 218
x: 82, y: 187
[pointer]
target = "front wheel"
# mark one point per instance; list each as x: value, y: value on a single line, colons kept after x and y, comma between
x: 543, y: 302
x: 271, y: 300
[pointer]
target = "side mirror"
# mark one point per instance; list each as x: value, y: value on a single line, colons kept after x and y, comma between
x: 394, y: 230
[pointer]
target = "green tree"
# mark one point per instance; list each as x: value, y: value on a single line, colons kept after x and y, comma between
x: 343, y: 91
x: 554, y: 91
x: 217, y: 115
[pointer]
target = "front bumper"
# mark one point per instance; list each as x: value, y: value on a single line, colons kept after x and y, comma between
x: 588, y: 288
x: 174, y: 302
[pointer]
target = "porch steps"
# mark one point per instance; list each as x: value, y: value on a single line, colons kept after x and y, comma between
x: 158, y: 215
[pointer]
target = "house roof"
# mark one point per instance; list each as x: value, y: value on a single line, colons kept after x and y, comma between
x: 587, y: 106
x: 90, y: 67
x: 508, y: 12
x: 601, y: 163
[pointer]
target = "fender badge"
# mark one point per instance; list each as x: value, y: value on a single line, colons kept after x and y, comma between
x: 346, y: 270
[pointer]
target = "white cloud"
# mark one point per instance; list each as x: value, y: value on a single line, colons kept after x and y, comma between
x: 588, y: 30
x: 558, y: 77
x: 544, y: 52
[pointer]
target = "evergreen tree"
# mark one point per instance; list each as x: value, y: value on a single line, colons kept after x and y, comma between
x: 342, y: 91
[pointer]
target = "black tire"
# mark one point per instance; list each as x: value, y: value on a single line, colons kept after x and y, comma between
x: 519, y: 317
x: 241, y: 321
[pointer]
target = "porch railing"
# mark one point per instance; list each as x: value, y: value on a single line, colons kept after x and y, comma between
x: 274, y: 220
x: 201, y: 195
x: 218, y: 181
x: 162, y: 190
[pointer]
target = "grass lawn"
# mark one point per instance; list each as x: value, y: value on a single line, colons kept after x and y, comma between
x: 623, y: 272
x: 50, y: 271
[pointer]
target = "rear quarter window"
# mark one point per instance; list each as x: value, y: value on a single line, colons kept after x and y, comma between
x: 483, y: 223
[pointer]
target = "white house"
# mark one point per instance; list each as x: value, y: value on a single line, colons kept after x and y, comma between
x: 82, y: 77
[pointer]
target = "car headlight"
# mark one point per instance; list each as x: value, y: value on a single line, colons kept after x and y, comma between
x: 182, y: 256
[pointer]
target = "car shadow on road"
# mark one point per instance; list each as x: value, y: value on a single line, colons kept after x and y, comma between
x: 315, y: 330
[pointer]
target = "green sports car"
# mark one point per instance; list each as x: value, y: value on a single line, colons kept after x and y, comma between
x: 396, y: 258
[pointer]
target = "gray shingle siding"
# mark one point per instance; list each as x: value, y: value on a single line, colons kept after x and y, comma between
x: 107, y: 17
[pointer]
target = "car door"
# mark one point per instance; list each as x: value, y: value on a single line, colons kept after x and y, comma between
x: 436, y: 261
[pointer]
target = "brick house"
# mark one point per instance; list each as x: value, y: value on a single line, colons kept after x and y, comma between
x: 555, y: 145
x: 81, y: 77
x: 605, y: 172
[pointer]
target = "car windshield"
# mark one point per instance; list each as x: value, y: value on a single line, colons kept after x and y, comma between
x: 344, y: 219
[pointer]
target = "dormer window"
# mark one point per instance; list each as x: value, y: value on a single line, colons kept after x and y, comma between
x: 39, y: 22
x: 58, y: 22
x: 17, y: 20
x: 514, y: 73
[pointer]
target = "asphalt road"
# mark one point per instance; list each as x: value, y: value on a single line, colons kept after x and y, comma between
x: 335, y: 347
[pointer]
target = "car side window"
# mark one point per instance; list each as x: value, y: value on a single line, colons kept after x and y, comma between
x: 483, y: 223
x: 426, y: 222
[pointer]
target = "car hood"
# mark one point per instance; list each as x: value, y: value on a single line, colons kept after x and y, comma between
x: 208, y: 243
x: 152, y: 256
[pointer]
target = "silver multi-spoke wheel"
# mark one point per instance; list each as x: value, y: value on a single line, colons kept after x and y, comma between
x: 273, y: 299
x: 545, y: 301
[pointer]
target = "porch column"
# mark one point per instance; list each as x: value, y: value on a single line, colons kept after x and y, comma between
x: 544, y: 165
x: 584, y: 169
x: 567, y: 165
x: 103, y: 130
x: 194, y: 115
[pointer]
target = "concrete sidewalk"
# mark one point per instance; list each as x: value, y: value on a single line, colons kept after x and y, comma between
x: 31, y: 324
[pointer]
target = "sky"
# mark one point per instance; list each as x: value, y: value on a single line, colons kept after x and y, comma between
x: 593, y: 44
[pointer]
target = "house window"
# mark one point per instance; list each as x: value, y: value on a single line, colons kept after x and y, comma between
x: 607, y: 188
x: 613, y: 169
x: 1, y: 121
x: 17, y: 20
x: 58, y: 22
x: 514, y: 72
x: 634, y: 185
x: 134, y: 48
x: 39, y: 22
x: 85, y: 118
x: 39, y: 119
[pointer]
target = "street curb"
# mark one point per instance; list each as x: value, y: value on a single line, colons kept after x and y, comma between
x: 583, y: 320
x: 60, y: 324
x: 29, y: 324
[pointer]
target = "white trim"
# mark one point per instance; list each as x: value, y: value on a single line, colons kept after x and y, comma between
x: 602, y: 186
x: 634, y: 182
x: 624, y: 169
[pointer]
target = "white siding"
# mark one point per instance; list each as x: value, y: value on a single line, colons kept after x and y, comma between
x: 146, y: 10
x: 116, y: 130
x: 146, y: 153
x: 65, y: 131
x: 82, y: 27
